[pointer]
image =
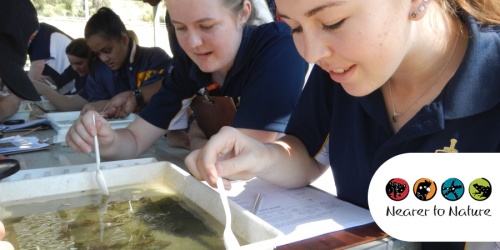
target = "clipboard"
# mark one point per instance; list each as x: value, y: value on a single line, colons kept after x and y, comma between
x: 213, y: 112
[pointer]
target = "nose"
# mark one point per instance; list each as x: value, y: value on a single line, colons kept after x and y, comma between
x: 314, y: 47
x: 193, y: 39
x: 104, y: 57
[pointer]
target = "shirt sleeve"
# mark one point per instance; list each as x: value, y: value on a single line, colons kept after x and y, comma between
x: 169, y: 104
x: 276, y: 75
x: 310, y: 121
x: 39, y: 48
x: 97, y: 80
x: 67, y: 75
x: 158, y: 64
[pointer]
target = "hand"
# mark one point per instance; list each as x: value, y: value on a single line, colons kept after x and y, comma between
x: 197, y: 138
x: 177, y: 139
x: 4, y: 245
x: 95, y: 106
x: 44, y: 78
x: 229, y: 154
x: 120, y: 106
x: 80, y: 136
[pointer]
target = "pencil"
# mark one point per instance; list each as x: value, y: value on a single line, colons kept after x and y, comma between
x: 256, y: 204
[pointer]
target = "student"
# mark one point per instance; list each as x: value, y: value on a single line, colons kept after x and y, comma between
x: 120, y: 66
x: 46, y: 52
x: 255, y: 65
x: 391, y: 77
x: 78, y: 56
x: 77, y: 53
x: 263, y: 16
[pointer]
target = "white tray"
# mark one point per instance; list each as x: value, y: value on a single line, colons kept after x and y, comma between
x: 62, y: 121
x: 26, y: 174
x: 46, y: 106
x: 250, y: 228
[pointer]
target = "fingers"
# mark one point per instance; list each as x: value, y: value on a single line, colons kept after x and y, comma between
x: 4, y: 245
x: 81, y: 134
x: 2, y: 231
x: 219, y: 157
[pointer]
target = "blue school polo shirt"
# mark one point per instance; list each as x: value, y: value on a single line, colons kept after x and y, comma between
x: 40, y: 49
x: 359, y: 131
x: 144, y: 66
x: 265, y: 82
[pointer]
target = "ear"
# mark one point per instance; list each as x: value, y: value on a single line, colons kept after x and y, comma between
x: 124, y: 39
x: 418, y: 9
x: 245, y: 12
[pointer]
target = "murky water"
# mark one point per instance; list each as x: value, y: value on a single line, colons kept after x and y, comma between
x: 132, y: 218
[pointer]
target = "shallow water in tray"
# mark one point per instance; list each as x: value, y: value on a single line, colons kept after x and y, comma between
x: 130, y: 218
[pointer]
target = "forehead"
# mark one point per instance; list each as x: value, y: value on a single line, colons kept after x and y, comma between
x: 307, y: 8
x: 73, y: 58
x: 195, y: 9
x: 98, y: 42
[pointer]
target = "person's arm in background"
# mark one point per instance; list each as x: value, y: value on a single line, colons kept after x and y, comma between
x: 60, y: 101
x: 118, y: 144
x: 8, y: 106
x: 97, y: 106
x: 36, y: 69
x: 123, y: 104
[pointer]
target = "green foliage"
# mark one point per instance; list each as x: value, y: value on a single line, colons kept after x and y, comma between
x: 76, y: 8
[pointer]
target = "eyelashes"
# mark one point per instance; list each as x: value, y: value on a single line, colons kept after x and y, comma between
x: 333, y: 26
x: 325, y: 27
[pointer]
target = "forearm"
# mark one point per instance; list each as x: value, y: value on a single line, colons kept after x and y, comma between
x: 36, y: 69
x: 8, y: 106
x: 288, y: 164
x: 123, y: 146
x: 150, y: 90
x: 260, y: 135
x: 132, y: 141
x: 61, y: 102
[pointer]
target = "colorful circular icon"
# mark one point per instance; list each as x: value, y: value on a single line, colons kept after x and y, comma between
x: 424, y: 189
x: 452, y: 189
x: 480, y: 189
x: 397, y: 189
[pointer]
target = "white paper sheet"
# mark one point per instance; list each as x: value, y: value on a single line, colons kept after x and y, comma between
x: 299, y: 213
x: 18, y: 144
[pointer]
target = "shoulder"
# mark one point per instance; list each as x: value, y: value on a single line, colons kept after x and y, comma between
x: 152, y: 52
x: 478, y: 71
x: 270, y: 29
x: 275, y: 36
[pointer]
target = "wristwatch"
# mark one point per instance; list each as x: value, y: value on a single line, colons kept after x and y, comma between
x: 139, y: 99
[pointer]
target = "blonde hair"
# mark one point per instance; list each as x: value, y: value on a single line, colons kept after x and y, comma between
x: 485, y: 11
x: 133, y: 36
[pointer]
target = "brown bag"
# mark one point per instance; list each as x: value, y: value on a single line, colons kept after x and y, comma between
x: 213, y: 113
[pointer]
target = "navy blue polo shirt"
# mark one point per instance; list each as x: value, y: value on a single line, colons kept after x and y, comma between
x: 40, y: 49
x: 145, y: 66
x: 265, y: 82
x: 359, y: 131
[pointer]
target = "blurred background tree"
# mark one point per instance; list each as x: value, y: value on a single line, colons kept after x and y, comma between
x: 70, y: 16
x: 76, y: 8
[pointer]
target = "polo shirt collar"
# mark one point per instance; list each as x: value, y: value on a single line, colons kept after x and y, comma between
x: 474, y: 88
x: 470, y: 91
x: 133, y: 52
